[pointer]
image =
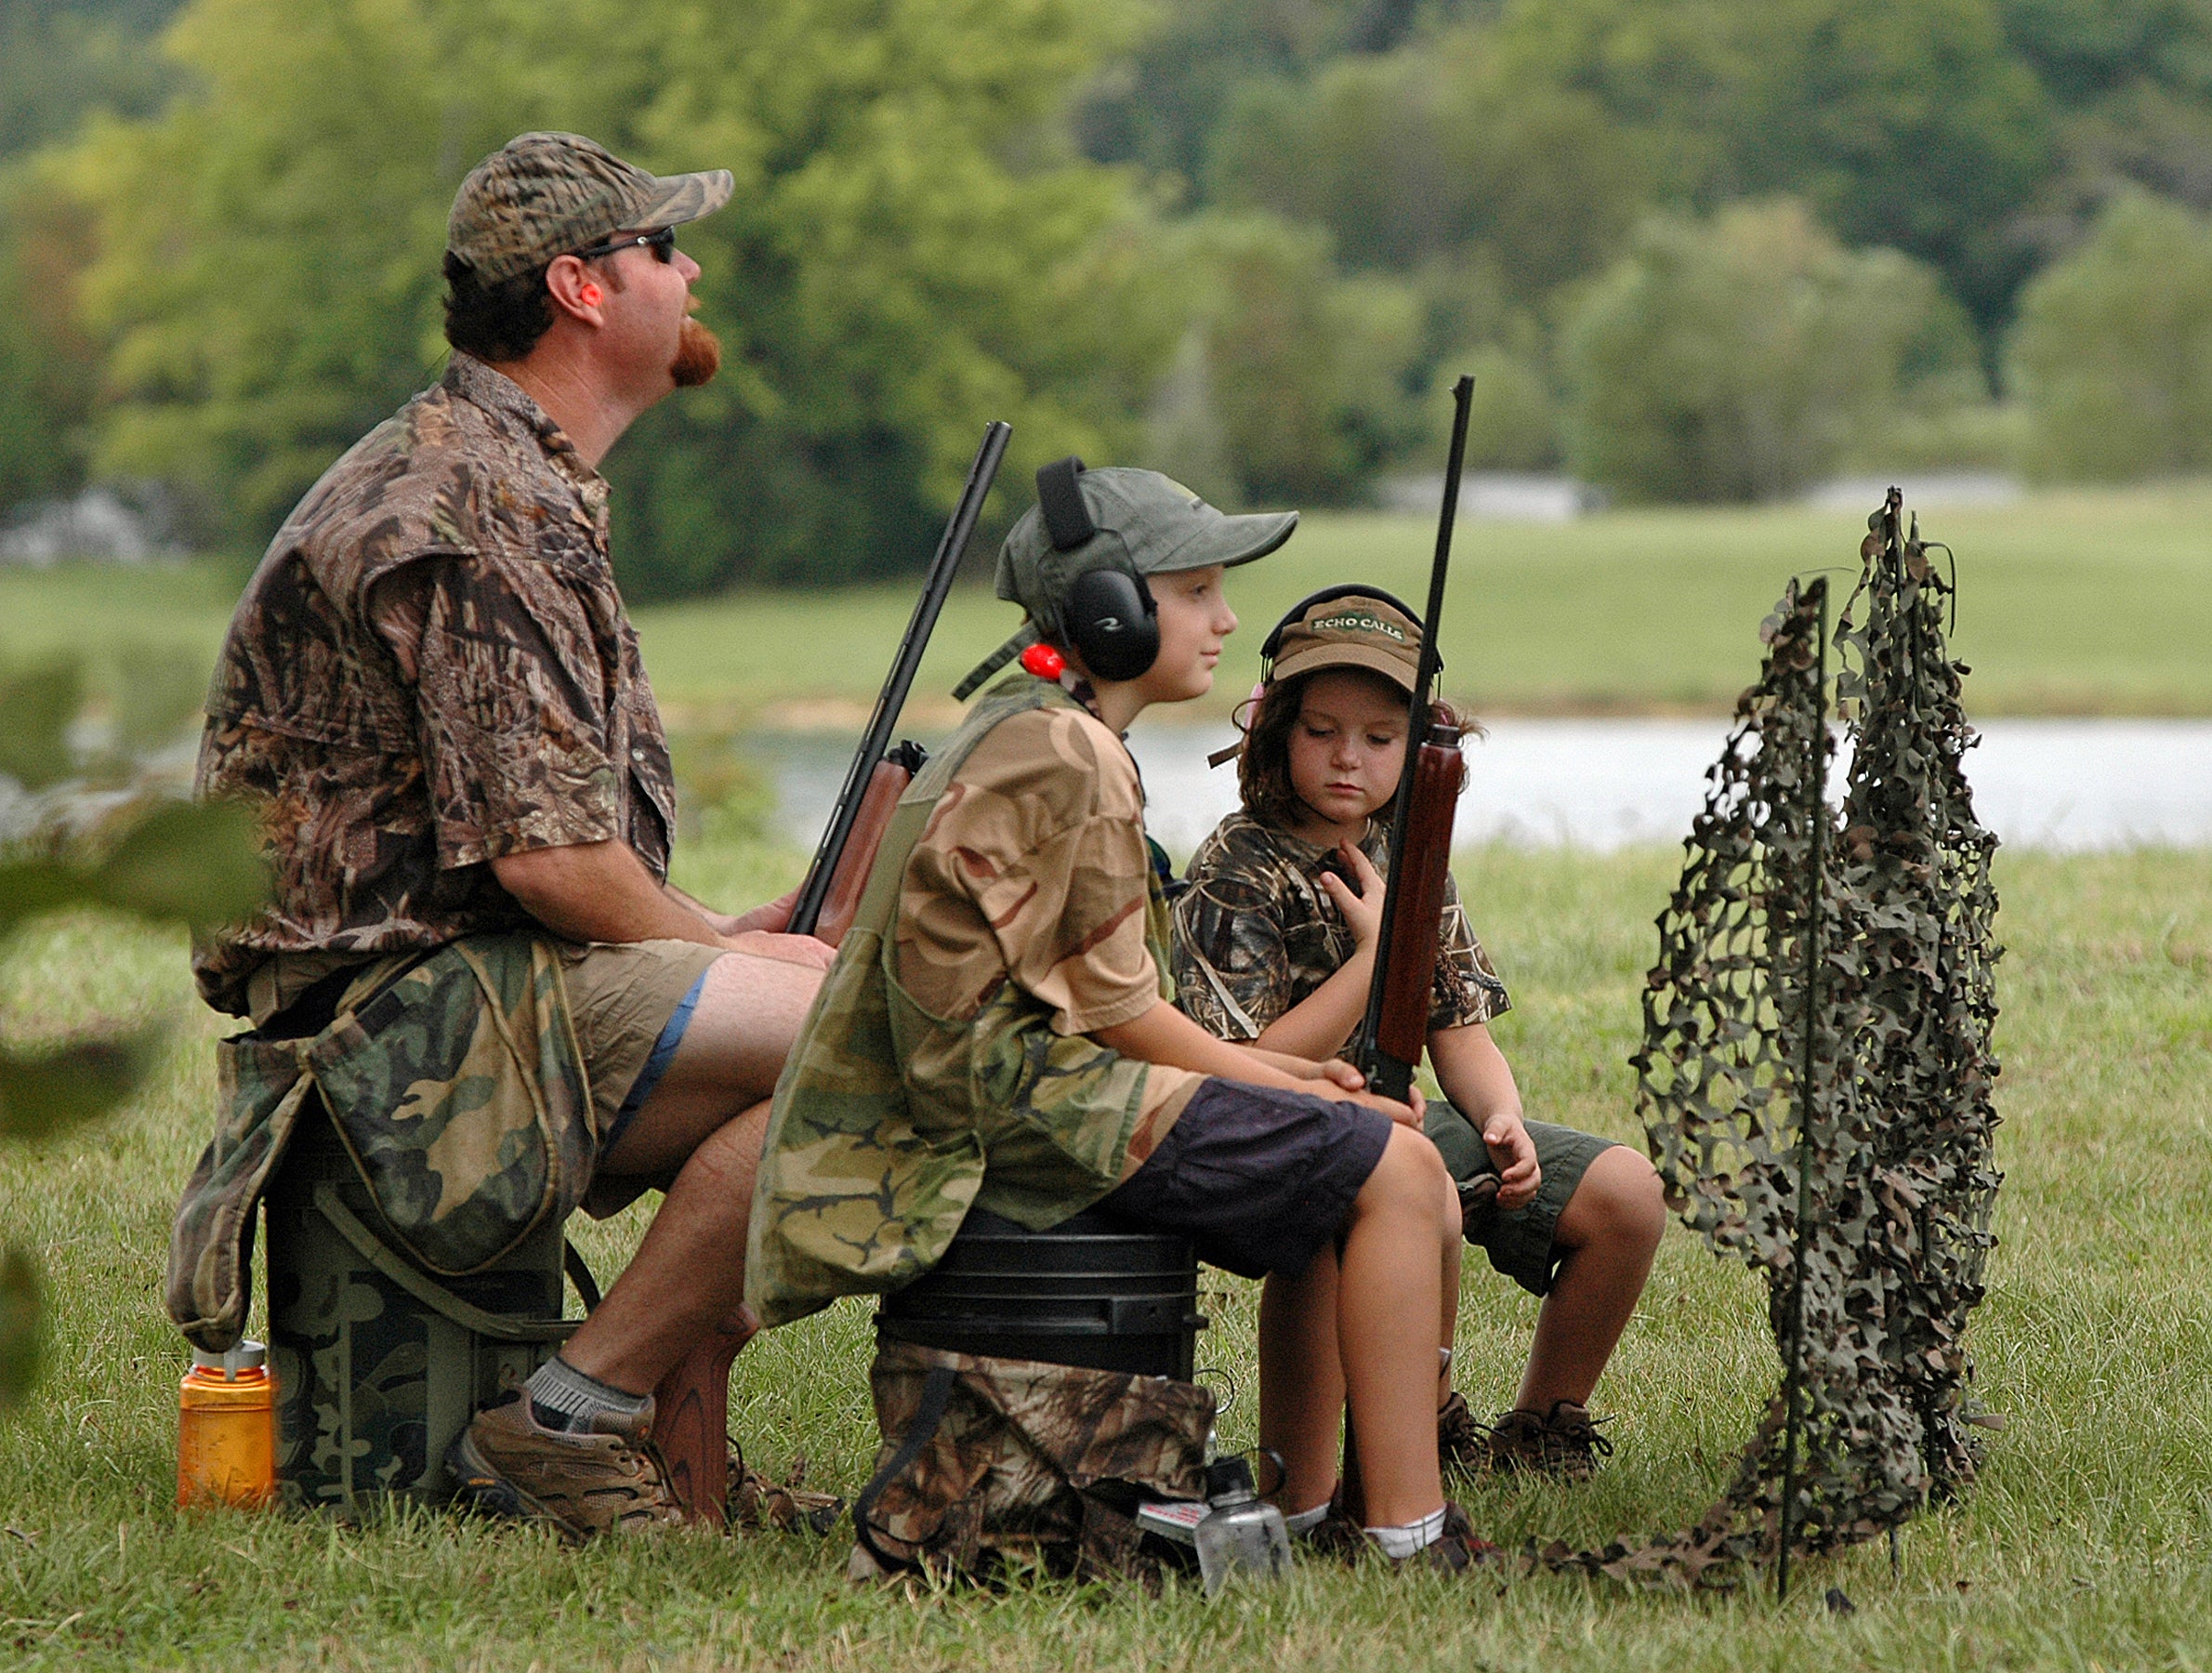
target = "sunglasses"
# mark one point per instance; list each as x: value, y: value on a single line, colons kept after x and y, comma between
x: 662, y: 244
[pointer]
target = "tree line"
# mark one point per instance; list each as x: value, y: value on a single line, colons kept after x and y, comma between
x: 1692, y: 249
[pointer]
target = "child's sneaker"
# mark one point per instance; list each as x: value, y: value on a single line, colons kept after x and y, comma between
x: 1563, y: 1443
x: 1458, y: 1549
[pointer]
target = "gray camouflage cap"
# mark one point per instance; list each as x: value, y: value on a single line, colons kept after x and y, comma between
x: 1147, y: 523
x: 542, y: 195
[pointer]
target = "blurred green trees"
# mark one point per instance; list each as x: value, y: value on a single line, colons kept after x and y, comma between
x: 84, y: 824
x: 1733, y: 360
x: 2113, y: 354
x: 1292, y: 383
x: 886, y: 278
x: 1243, y: 239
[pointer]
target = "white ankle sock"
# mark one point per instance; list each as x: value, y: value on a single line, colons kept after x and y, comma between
x: 1401, y: 1543
x: 1305, y: 1521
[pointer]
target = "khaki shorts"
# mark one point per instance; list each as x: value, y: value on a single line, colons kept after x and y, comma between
x: 630, y: 1002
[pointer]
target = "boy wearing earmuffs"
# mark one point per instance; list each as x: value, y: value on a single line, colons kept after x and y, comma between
x: 998, y: 1030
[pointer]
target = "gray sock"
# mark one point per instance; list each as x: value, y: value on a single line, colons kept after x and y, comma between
x: 562, y: 1398
x: 1305, y: 1521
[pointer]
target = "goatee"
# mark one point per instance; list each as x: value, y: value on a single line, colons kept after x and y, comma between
x: 698, y: 356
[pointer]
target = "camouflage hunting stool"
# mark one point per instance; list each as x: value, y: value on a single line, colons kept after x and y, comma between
x: 1032, y: 1389
x: 417, y: 1133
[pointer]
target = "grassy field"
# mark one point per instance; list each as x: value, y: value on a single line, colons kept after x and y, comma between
x: 2076, y: 603
x: 2088, y: 1543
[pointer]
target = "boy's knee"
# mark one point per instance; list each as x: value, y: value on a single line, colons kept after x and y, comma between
x: 1411, y: 1173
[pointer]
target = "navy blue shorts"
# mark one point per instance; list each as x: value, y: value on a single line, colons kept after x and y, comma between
x: 1259, y: 1178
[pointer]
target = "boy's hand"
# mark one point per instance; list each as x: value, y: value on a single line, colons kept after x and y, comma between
x: 1336, y: 1070
x: 1513, y: 1153
x: 1408, y: 1113
x: 1363, y: 910
x: 1353, y: 1084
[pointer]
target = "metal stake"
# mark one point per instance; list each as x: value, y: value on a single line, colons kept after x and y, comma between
x: 1793, y: 1367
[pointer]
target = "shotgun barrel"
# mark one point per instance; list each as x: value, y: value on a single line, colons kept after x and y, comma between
x: 866, y: 781
x: 1394, y: 1030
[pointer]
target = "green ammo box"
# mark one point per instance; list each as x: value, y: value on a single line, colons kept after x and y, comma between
x: 379, y: 1364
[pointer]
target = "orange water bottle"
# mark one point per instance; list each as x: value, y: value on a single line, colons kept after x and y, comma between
x: 226, y: 1430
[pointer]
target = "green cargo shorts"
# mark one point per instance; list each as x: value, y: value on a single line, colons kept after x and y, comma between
x: 1519, y: 1241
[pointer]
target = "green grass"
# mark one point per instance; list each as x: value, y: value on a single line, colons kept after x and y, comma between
x: 2087, y: 1543
x: 2073, y: 603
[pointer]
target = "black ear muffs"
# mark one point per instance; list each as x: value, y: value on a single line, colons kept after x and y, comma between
x: 1114, y: 622
x: 1110, y: 617
x: 1060, y: 502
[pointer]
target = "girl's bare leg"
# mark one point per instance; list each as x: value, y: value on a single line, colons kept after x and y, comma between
x: 1448, y: 1324
x: 1610, y: 1229
x: 1301, y: 1381
x: 1388, y: 1304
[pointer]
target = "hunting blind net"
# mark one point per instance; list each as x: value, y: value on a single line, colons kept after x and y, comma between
x: 1815, y: 1075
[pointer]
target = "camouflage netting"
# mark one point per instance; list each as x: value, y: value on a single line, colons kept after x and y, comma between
x: 1835, y: 1056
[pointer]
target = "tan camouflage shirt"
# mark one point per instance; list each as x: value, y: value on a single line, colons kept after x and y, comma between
x: 431, y: 668
x: 1256, y: 933
x: 1012, y: 903
x: 1033, y: 871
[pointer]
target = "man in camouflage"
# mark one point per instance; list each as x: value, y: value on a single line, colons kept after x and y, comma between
x: 433, y: 693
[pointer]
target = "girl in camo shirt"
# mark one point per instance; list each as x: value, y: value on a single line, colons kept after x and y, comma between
x: 1274, y: 947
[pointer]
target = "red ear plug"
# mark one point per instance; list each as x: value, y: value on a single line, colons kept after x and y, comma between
x: 590, y: 294
x: 1044, y: 661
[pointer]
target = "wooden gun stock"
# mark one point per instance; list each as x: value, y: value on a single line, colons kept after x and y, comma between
x: 1394, y: 1031
x: 1417, y: 909
x: 842, y: 902
x: 691, y: 1422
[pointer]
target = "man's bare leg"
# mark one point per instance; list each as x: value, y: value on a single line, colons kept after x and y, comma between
x: 1610, y: 1230
x: 704, y: 1123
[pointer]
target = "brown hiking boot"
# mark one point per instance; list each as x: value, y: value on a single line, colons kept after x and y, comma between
x: 1563, y: 1443
x: 1462, y: 1442
x: 508, y: 1464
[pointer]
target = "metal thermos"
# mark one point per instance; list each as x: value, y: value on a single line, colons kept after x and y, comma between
x: 1242, y: 1534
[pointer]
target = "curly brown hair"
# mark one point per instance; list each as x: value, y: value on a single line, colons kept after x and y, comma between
x: 1263, y: 766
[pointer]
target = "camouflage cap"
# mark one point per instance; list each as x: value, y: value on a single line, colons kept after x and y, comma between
x: 1146, y: 523
x: 542, y: 195
x: 1348, y: 629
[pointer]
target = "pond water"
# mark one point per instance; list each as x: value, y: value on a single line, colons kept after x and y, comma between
x: 2067, y: 784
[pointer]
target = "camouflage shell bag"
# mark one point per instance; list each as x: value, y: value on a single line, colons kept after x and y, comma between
x: 987, y: 1461
x: 458, y: 1090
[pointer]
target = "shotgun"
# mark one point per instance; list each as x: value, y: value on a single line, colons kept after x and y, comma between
x: 1395, y: 1030
x: 831, y: 893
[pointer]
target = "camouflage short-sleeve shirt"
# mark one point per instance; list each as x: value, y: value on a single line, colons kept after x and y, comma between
x: 431, y: 668
x: 1256, y: 933
x: 1033, y: 872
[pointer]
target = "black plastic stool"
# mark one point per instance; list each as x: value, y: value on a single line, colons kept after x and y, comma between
x: 1090, y: 1291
